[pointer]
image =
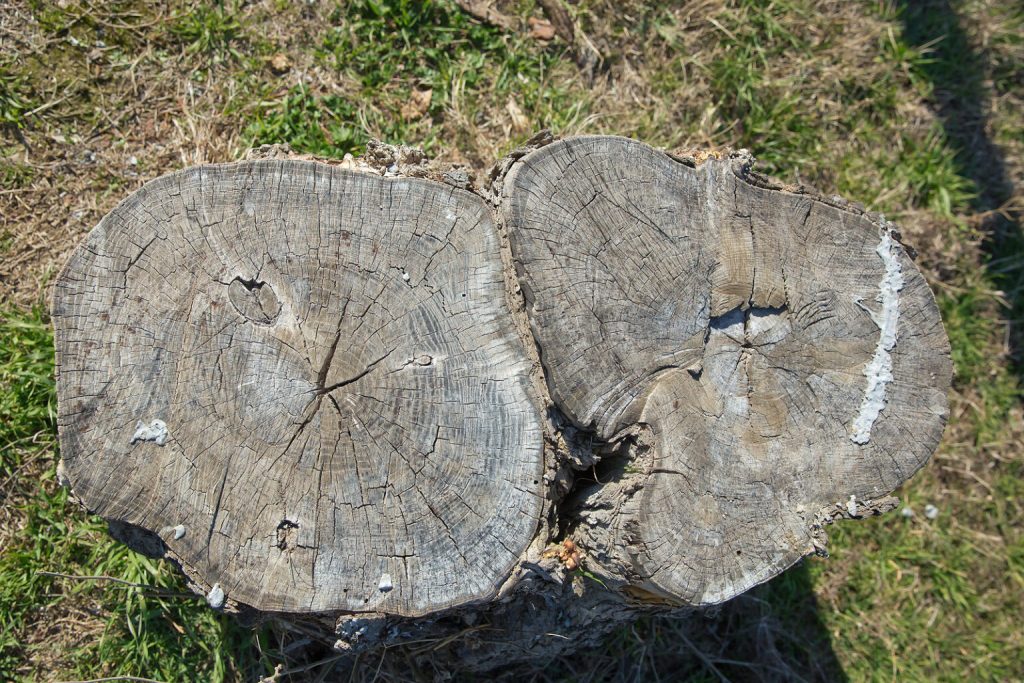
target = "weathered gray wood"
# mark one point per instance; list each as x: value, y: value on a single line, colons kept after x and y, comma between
x: 768, y: 360
x: 321, y: 389
x: 306, y: 380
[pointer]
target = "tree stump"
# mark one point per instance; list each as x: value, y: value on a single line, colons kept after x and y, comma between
x: 370, y: 402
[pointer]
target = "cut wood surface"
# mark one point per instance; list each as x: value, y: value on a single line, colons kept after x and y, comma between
x: 333, y: 393
x: 306, y: 381
x: 784, y: 354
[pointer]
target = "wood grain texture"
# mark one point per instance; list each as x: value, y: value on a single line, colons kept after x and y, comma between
x: 770, y: 356
x: 321, y: 388
x: 306, y: 380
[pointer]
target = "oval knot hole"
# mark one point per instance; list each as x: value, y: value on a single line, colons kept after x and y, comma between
x: 255, y: 300
x: 287, y: 530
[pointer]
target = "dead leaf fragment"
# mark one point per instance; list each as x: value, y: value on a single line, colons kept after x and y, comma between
x: 280, y: 63
x: 568, y: 554
x: 418, y: 104
x: 518, y: 118
x: 541, y: 29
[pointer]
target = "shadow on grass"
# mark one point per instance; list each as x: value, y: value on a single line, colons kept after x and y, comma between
x: 772, y: 633
x: 964, y: 83
x: 778, y: 624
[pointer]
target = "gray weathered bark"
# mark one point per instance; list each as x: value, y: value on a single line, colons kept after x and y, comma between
x: 323, y: 393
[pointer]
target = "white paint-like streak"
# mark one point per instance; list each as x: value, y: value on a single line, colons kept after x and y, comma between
x: 879, y: 369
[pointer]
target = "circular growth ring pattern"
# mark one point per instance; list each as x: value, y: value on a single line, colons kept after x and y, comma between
x: 306, y: 379
x: 785, y: 354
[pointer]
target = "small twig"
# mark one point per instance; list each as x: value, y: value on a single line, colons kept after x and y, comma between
x: 96, y: 15
x: 132, y: 679
x: 312, y: 665
x: 560, y: 19
x: 52, y: 103
x: 558, y: 635
x: 705, y: 660
x: 376, y: 674
x: 24, y: 465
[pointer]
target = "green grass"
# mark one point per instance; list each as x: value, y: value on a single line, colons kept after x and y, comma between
x: 317, y: 125
x: 768, y: 113
x: 14, y: 100
x: 15, y: 176
x: 27, y: 401
x: 383, y: 50
x: 879, y: 102
x: 209, y: 31
x: 168, y: 636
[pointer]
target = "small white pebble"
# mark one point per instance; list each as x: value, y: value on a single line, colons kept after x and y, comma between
x: 851, y: 506
x: 179, y: 532
x: 405, y: 276
x: 930, y: 511
x: 385, y: 584
x: 907, y: 512
x: 215, y: 598
x: 133, y: 161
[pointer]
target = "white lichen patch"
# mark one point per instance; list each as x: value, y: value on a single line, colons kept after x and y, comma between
x: 155, y: 431
x: 879, y: 369
x: 215, y: 598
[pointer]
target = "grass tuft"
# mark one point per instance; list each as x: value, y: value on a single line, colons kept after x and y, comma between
x: 212, y: 31
x: 14, y: 102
